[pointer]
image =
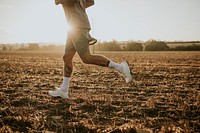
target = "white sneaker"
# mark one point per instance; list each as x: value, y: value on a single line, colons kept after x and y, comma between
x: 58, y: 93
x: 126, y: 72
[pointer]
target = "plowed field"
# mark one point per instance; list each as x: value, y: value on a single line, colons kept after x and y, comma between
x: 163, y: 97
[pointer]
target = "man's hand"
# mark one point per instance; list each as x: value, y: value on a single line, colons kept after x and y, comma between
x: 66, y: 2
x: 58, y: 2
x: 89, y: 3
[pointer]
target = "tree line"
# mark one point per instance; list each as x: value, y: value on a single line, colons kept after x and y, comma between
x: 30, y: 47
x: 151, y: 45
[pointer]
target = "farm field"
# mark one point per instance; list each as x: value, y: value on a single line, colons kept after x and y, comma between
x: 163, y: 97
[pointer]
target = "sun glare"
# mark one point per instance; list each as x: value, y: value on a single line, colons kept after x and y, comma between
x: 43, y: 21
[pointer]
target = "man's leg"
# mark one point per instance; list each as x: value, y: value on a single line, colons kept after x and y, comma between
x: 67, y: 59
x: 68, y: 66
x: 67, y: 71
x: 82, y: 47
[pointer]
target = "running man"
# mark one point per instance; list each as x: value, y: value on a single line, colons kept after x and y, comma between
x: 78, y: 42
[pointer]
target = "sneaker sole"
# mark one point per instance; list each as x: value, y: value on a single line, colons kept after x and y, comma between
x: 62, y: 96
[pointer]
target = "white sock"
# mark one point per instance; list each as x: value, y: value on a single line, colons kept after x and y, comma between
x: 114, y: 65
x: 65, y: 84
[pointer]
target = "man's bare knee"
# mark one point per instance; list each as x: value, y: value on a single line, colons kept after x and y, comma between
x: 67, y: 57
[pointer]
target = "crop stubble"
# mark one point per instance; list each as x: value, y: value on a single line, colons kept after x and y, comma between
x: 164, y: 96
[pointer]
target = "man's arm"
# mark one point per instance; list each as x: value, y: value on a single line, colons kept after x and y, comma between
x: 89, y: 3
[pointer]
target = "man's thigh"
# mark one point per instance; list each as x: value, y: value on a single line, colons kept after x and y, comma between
x: 69, y: 47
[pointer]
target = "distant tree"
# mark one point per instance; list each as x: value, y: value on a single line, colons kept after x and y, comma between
x: 23, y: 47
x: 51, y: 47
x: 33, y: 46
x: 10, y: 48
x: 108, y: 46
x: 4, y: 48
x: 133, y: 46
x: 112, y: 46
x: 193, y: 47
x: 153, y: 45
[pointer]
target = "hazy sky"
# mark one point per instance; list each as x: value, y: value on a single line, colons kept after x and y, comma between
x: 42, y: 21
